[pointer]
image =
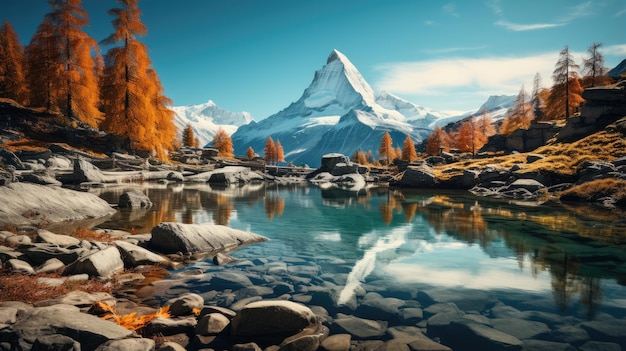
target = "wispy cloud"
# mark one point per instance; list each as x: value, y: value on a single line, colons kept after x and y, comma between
x: 620, y: 13
x: 450, y: 9
x: 614, y: 50
x: 480, y: 76
x: 571, y: 14
x: 452, y: 50
x: 576, y: 12
x: 524, y: 27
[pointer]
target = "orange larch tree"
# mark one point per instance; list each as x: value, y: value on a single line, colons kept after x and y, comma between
x: 43, y: 68
x: 520, y: 116
x: 79, y: 93
x: 360, y: 157
x: 223, y: 143
x: 12, y: 66
x: 408, y: 150
x: 269, y: 152
x: 132, y: 95
x: 565, y: 95
x: 188, y: 136
x: 464, y: 140
x: 250, y: 153
x: 438, y: 140
x: 280, y: 152
x: 386, y: 150
x: 595, y: 73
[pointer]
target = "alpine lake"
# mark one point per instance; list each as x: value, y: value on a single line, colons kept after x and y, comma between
x: 540, y: 271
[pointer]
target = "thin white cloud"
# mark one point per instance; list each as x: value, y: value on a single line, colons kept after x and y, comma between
x: 450, y: 9
x: 453, y: 49
x: 571, y: 14
x: 614, y: 50
x: 524, y: 27
x: 465, y: 76
x: 576, y: 12
x: 620, y: 13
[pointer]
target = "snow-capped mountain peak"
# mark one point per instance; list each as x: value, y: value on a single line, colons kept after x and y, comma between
x: 205, y: 119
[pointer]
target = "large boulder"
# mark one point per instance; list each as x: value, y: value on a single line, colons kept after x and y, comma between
x: 169, y: 237
x: 134, y: 199
x: 84, y: 172
x: 418, y: 177
x: 31, y: 204
x: 461, y: 333
x: 231, y: 175
x: 10, y: 159
x: 134, y: 255
x: 103, y: 263
x: 330, y: 161
x: 89, y: 331
x: 272, y: 318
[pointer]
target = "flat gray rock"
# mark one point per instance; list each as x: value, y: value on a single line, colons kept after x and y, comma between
x: 90, y: 331
x: 480, y: 336
x: 169, y: 237
x: 103, y: 263
x: 56, y: 239
x: 134, y: 255
x: 521, y: 329
x: 32, y: 204
x: 135, y: 344
x: 360, y: 328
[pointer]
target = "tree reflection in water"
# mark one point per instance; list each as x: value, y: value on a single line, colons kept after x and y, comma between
x: 576, y: 251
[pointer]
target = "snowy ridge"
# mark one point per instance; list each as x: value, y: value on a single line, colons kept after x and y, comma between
x: 205, y: 120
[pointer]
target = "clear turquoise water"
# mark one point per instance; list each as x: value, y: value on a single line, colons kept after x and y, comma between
x: 570, y: 261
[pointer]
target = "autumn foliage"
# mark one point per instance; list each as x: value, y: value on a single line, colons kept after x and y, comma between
x: 438, y: 140
x: 408, y: 150
x: 12, y: 66
x: 273, y: 152
x: 386, y: 151
x: 223, y: 143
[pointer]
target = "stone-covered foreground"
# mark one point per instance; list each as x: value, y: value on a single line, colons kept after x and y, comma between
x: 379, y: 316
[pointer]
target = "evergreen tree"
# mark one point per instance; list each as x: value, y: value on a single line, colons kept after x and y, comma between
x: 269, y: 152
x: 250, y: 153
x: 438, y: 140
x: 565, y: 95
x: 12, y: 66
x: 79, y: 94
x: 520, y: 115
x: 280, y: 153
x: 408, y: 150
x: 595, y: 74
x: 132, y: 95
x: 223, y: 143
x: 386, y: 150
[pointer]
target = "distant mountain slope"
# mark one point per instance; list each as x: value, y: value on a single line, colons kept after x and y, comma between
x: 338, y: 112
x: 207, y: 118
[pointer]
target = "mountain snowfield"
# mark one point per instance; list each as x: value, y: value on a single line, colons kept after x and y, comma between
x: 206, y: 119
x: 338, y: 112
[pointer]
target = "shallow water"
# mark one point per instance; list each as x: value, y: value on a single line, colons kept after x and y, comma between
x: 452, y: 245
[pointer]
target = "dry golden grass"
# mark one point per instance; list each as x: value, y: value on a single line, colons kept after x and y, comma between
x: 132, y: 321
x: 26, y: 144
x: 87, y: 234
x: 562, y: 158
x: 597, y: 189
x: 27, y: 288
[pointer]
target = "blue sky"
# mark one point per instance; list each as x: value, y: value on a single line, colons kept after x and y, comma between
x: 259, y: 56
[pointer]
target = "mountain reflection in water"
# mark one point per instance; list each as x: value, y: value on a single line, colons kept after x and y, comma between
x: 443, y: 239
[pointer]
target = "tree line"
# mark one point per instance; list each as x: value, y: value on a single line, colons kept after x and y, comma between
x: 560, y: 101
x: 62, y: 70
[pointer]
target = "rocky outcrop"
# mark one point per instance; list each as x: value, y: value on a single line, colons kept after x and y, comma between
x: 134, y: 199
x: 603, y: 106
x: 522, y: 140
x: 30, y: 204
x: 337, y: 171
x: 198, y: 238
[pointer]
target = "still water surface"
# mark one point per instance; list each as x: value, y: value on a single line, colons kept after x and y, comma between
x: 565, y: 260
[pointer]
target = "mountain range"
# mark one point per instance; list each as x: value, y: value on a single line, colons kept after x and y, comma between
x: 337, y: 112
